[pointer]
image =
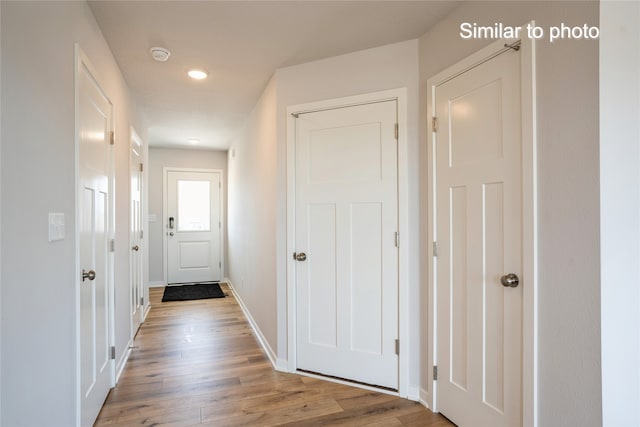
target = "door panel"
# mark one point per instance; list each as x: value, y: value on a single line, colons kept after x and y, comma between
x: 94, y: 125
x: 346, y: 220
x: 194, y: 227
x: 479, y: 229
x: 135, y: 233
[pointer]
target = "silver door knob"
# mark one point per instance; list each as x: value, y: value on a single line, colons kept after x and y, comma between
x: 91, y: 275
x: 171, y: 233
x: 301, y: 256
x: 510, y: 280
x: 136, y: 248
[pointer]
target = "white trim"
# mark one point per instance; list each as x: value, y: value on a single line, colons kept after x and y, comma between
x: 529, y: 224
x: 80, y: 60
x: 147, y: 309
x: 399, y: 95
x: 122, y: 362
x: 271, y: 355
x: 425, y: 397
x: 165, y: 210
x: 158, y: 284
x: 413, y: 393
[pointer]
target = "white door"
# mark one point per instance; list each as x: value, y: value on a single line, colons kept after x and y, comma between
x: 194, y: 226
x: 94, y: 126
x: 479, y: 228
x: 346, y: 224
x: 135, y: 232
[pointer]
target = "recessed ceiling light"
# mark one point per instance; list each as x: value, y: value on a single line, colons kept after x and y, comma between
x: 193, y: 141
x: 197, y: 74
x: 160, y: 54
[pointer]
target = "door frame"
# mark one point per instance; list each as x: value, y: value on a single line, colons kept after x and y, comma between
x: 165, y: 212
x: 82, y: 60
x: 409, y: 352
x: 529, y: 220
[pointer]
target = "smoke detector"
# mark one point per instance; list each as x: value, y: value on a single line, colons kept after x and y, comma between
x: 160, y: 54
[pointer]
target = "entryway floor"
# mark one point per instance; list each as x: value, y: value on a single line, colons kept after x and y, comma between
x: 198, y: 363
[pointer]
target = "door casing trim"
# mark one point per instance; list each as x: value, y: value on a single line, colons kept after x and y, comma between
x: 408, y: 351
x: 529, y: 220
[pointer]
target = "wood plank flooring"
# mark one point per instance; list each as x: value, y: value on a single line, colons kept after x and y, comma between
x: 197, y: 363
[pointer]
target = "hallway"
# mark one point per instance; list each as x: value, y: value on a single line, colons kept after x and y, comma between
x: 198, y: 363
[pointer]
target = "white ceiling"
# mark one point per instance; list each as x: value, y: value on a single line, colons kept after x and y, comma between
x: 240, y: 44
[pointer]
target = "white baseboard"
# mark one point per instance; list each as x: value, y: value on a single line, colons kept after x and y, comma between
x: 413, y: 393
x: 425, y: 398
x: 282, y: 365
x: 147, y: 308
x: 122, y: 361
x: 277, y: 364
x: 159, y: 284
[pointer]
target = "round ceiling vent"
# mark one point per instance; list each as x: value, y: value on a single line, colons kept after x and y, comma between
x: 160, y: 54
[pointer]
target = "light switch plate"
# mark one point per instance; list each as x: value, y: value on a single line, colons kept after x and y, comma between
x: 56, y: 226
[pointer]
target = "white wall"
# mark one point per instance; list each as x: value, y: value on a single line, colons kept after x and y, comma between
x: 38, y: 361
x: 160, y: 158
x: 252, y: 215
x: 568, y: 202
x: 620, y: 211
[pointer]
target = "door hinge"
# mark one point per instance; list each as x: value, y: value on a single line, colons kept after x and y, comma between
x: 141, y: 300
x: 398, y: 347
x: 113, y: 352
x: 397, y: 239
x: 434, y: 124
x: 112, y: 138
x: 219, y: 224
x: 219, y: 184
x: 396, y: 131
x: 112, y: 245
x: 141, y: 234
x: 219, y: 264
x: 435, y: 249
x: 141, y: 167
x: 435, y: 373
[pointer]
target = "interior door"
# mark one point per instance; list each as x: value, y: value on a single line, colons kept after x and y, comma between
x: 94, y: 128
x: 194, y: 226
x: 135, y: 232
x: 479, y: 236
x: 346, y: 224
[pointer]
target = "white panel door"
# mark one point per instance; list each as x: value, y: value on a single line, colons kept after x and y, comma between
x: 479, y: 229
x: 346, y: 224
x: 135, y: 232
x: 194, y: 227
x: 94, y: 126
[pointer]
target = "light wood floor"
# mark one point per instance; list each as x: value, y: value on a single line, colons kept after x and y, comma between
x: 198, y: 363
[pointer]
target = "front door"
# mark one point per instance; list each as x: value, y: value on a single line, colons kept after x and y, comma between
x: 194, y: 226
x: 479, y: 236
x: 95, y: 123
x: 346, y: 224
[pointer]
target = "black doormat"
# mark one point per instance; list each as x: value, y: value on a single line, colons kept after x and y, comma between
x: 192, y: 292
